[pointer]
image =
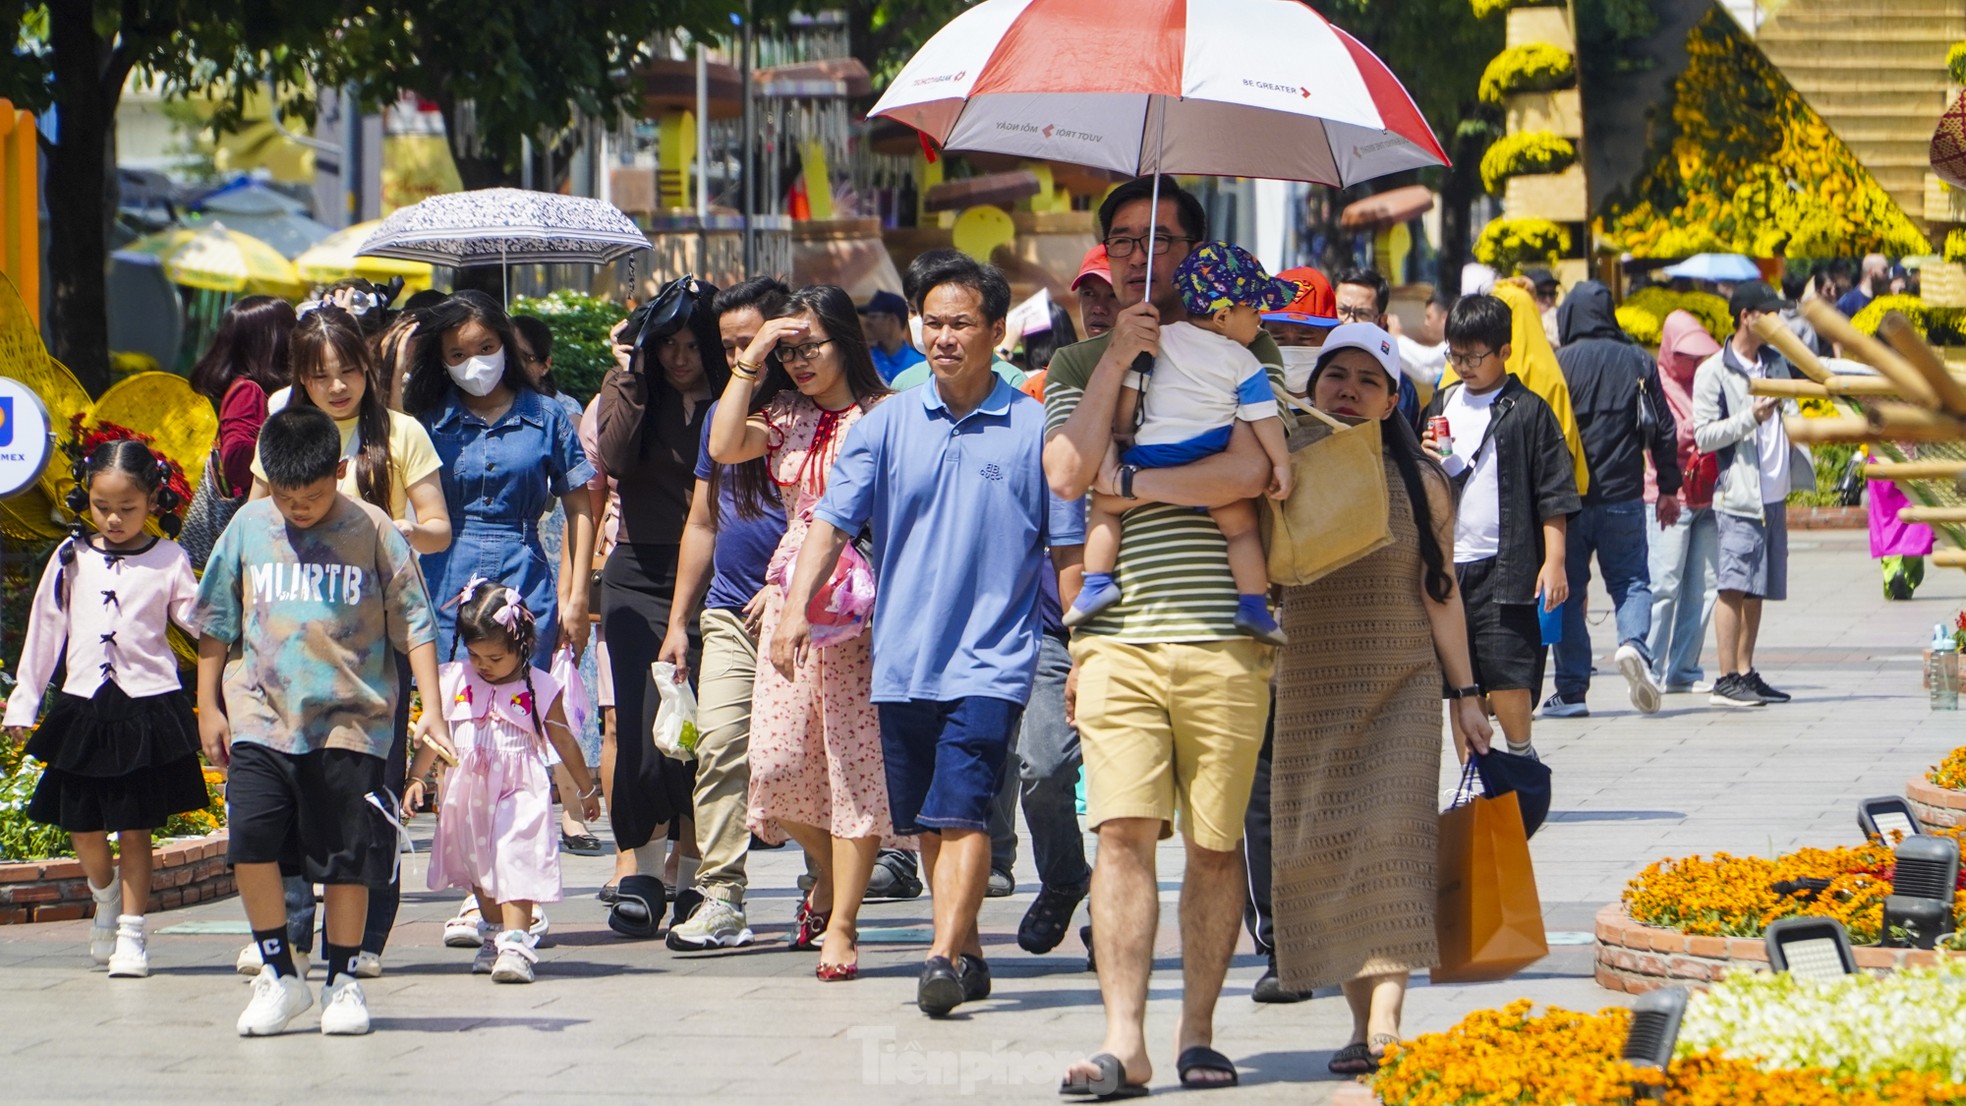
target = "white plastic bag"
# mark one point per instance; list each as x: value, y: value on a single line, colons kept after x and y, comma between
x: 675, y: 719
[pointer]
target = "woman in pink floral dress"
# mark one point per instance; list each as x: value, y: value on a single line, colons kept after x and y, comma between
x: 816, y: 770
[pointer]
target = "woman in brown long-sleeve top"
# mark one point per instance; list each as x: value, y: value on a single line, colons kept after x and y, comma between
x: 651, y: 423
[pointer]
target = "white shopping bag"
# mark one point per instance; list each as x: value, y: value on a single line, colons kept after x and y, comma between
x: 675, y: 719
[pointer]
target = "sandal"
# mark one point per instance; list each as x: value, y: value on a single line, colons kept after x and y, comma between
x: 840, y: 973
x: 608, y: 892
x: 811, y: 925
x: 1353, y: 1059
x: 638, y: 907
x: 1203, y: 1058
x: 580, y: 844
x: 1109, y: 1085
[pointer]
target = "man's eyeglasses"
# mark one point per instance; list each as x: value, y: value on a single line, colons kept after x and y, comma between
x: 1469, y: 360
x: 1124, y: 247
x: 1353, y: 314
x: 801, y: 353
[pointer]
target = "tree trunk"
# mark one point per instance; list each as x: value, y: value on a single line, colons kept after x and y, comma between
x: 479, y: 169
x: 1458, y: 193
x: 81, y: 191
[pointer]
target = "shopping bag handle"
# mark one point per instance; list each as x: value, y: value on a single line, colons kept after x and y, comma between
x: 1287, y: 408
x: 1464, y: 792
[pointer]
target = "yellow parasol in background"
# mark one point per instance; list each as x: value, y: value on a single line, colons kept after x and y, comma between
x: 216, y: 258
x: 32, y: 515
x: 333, y: 258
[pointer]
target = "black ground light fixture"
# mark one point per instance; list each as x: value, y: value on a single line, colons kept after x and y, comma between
x: 1810, y: 948
x: 1885, y: 815
x: 1653, y: 1033
x: 1919, y: 909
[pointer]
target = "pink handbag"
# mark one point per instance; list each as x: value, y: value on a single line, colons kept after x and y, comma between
x: 844, y: 604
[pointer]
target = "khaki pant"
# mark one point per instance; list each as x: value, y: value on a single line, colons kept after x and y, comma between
x: 723, y: 765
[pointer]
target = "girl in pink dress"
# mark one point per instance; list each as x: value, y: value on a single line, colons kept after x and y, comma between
x: 495, y: 830
x: 816, y: 769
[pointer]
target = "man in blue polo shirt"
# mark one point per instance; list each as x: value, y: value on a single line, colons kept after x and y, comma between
x: 950, y: 478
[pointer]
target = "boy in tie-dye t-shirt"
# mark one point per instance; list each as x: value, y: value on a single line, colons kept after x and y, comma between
x: 306, y: 597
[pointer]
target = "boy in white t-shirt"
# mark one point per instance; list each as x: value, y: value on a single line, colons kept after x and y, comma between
x: 1204, y: 382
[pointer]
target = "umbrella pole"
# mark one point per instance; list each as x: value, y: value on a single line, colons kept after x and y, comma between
x: 1153, y: 209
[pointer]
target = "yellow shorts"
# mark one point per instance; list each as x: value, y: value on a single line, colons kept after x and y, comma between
x: 1173, y: 726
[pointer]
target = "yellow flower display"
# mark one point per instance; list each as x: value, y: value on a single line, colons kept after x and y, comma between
x: 1955, y: 58
x: 1749, y: 168
x: 1537, y: 67
x: 1507, y: 244
x: 1939, y: 325
x: 1955, y: 249
x: 1740, y: 896
x: 1950, y: 773
x: 1643, y: 314
x: 1524, y: 152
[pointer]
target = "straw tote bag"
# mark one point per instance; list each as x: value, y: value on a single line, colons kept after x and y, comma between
x: 1337, y: 511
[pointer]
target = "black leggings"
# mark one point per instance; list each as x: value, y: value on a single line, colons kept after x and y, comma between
x: 650, y: 789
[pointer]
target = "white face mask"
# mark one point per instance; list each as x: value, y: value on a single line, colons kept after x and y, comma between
x: 1298, y: 364
x: 479, y: 375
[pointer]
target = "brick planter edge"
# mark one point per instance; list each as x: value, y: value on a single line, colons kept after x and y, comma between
x: 1937, y: 807
x: 1633, y: 958
x: 188, y: 871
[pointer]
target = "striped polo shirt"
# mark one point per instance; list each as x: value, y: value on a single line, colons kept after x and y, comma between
x: 1174, y: 563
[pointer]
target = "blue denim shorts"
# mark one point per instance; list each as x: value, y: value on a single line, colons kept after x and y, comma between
x: 945, y: 760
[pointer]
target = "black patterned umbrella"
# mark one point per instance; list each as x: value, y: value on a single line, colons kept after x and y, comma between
x: 498, y: 226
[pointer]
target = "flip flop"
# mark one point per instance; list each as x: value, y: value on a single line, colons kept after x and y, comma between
x: 1353, y: 1059
x: 1112, y: 1074
x: 1203, y: 1058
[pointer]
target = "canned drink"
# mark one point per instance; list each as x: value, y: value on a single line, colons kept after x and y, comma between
x: 1443, y: 436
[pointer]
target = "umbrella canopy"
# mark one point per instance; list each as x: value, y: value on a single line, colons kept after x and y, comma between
x: 1251, y: 88
x: 1715, y: 266
x: 497, y: 226
x: 216, y: 258
x: 334, y: 257
x: 289, y: 232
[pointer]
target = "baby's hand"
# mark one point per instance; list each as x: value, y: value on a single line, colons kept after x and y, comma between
x: 1281, y: 481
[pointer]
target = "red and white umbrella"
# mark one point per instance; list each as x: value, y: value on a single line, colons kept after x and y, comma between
x: 1246, y: 88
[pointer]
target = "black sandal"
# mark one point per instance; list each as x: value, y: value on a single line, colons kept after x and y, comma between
x: 1203, y: 1058
x: 1353, y: 1059
x: 1109, y: 1085
x: 580, y: 844
x: 638, y: 907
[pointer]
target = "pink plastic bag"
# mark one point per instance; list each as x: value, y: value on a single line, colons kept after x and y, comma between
x: 573, y: 691
x: 842, y: 606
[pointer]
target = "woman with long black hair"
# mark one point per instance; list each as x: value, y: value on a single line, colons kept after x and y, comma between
x: 652, y: 410
x: 1354, y: 785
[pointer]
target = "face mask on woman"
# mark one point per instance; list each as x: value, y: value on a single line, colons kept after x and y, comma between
x: 479, y: 375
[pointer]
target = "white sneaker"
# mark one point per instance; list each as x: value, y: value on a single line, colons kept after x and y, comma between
x: 481, y: 964
x: 130, y: 960
x: 249, y: 961
x: 102, y: 929
x: 461, y: 931
x: 715, y: 925
x: 1644, y: 689
x: 367, y: 965
x: 540, y: 923
x: 277, y: 1000
x: 515, y: 958
x: 344, y: 1009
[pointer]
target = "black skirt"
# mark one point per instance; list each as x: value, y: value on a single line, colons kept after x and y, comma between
x: 115, y: 763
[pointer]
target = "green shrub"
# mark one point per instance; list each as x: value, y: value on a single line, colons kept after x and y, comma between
x: 1527, y: 152
x: 580, y: 325
x: 1538, y: 67
x: 1507, y: 244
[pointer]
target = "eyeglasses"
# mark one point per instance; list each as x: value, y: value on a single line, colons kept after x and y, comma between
x: 1124, y: 247
x: 801, y: 353
x: 1353, y: 314
x: 1469, y: 360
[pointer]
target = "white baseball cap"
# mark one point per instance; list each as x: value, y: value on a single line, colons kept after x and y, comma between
x: 1363, y: 336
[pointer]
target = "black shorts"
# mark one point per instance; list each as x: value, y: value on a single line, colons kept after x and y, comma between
x: 1505, y: 640
x: 312, y: 814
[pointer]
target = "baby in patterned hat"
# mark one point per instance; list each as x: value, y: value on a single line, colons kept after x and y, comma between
x: 1204, y: 382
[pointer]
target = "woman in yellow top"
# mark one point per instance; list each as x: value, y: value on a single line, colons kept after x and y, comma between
x: 393, y: 466
x: 1532, y: 359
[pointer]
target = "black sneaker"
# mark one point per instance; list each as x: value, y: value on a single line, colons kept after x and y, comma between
x: 1735, y: 691
x: 940, y: 989
x: 895, y: 876
x: 974, y: 972
x: 1760, y: 687
x: 1558, y: 706
x: 1050, y: 915
x: 1270, y: 988
x: 1002, y: 885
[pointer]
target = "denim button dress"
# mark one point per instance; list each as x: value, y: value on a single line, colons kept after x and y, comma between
x: 498, y: 480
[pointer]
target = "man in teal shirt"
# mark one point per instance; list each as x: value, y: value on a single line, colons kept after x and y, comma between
x: 885, y: 320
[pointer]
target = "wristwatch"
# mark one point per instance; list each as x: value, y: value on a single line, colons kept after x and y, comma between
x: 1472, y: 691
x: 1126, y: 481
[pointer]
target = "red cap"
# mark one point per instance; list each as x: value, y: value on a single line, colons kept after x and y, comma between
x: 1317, y: 306
x: 1095, y: 264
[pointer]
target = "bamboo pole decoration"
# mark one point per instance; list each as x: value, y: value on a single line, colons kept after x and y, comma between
x: 1897, y: 330
x: 1916, y: 470
x: 1788, y: 389
x: 1949, y: 558
x: 1852, y: 385
x: 1831, y: 324
x: 1901, y: 422
x: 1776, y: 334
x: 1932, y: 514
x: 1830, y: 428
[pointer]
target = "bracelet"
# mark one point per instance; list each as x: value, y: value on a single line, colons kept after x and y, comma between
x: 593, y: 793
x: 1472, y: 691
x: 745, y: 370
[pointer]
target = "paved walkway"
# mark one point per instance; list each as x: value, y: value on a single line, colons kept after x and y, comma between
x: 611, y: 1020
